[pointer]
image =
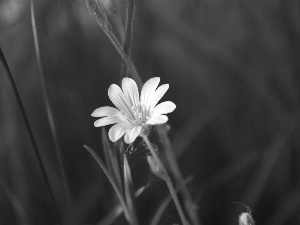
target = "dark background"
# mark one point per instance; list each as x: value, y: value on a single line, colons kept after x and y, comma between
x: 234, y: 74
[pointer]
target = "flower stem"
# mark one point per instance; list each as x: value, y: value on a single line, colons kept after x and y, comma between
x: 167, y: 179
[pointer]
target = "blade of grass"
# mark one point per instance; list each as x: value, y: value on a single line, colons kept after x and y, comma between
x: 106, y: 150
x: 129, y: 24
x: 190, y: 206
x: 165, y: 203
x: 117, y: 210
x: 31, y: 136
x: 112, y: 182
x: 111, y: 158
x: 50, y: 117
x: 128, y: 190
x: 113, y: 214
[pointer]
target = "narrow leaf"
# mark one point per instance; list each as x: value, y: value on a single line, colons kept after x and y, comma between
x: 111, y: 154
x: 111, y: 180
x: 117, y: 210
x: 52, y: 126
x: 165, y: 203
x: 107, y: 149
x: 128, y: 186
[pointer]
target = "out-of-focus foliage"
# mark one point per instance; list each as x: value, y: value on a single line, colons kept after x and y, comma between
x: 233, y: 69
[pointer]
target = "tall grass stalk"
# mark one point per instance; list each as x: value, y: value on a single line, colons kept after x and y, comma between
x: 31, y: 136
x: 118, y: 209
x: 50, y: 116
x: 162, y: 207
x: 129, y: 24
x: 168, y: 181
x: 190, y: 206
x: 118, y: 192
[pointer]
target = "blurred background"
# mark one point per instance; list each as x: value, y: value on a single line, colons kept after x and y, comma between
x: 234, y: 74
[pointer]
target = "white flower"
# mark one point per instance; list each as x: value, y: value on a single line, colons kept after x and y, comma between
x: 133, y: 112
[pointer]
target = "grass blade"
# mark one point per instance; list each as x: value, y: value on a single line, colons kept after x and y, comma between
x: 128, y: 189
x: 50, y: 115
x: 111, y: 159
x: 164, y: 204
x: 117, y: 210
x: 190, y: 206
x: 129, y: 24
x: 112, y: 182
x: 31, y: 136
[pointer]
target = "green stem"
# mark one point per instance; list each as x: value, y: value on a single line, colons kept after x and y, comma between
x: 168, y: 181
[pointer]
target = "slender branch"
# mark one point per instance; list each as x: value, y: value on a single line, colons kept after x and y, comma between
x: 167, y: 180
x: 50, y: 115
x: 30, y: 133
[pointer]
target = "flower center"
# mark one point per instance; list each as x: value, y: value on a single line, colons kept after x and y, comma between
x: 141, y: 113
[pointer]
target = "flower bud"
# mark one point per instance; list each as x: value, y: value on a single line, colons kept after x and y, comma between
x: 157, y: 169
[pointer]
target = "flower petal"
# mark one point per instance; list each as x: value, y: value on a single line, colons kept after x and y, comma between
x: 157, y: 119
x: 117, y: 97
x: 132, y: 134
x: 164, y: 108
x: 148, y: 90
x: 117, y: 131
x: 161, y: 90
x: 130, y: 90
x: 107, y: 120
x: 105, y: 111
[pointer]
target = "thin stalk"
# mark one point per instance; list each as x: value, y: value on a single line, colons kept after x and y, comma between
x: 50, y: 116
x: 31, y: 136
x: 165, y: 203
x: 168, y: 181
x: 129, y: 24
x: 125, y: 57
x: 101, y: 19
x: 190, y: 206
x: 113, y: 184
